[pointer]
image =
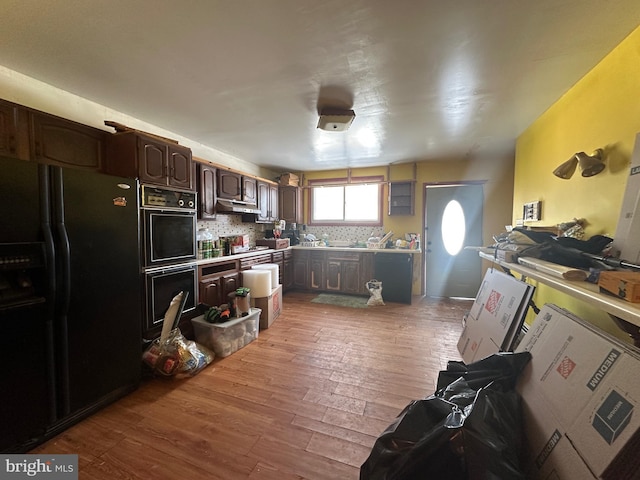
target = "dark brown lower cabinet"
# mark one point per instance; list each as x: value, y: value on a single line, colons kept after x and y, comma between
x: 216, y: 281
x: 301, y: 270
x: 332, y: 271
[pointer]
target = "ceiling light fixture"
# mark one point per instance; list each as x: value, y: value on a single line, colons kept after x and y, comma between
x: 335, y: 120
x: 590, y: 165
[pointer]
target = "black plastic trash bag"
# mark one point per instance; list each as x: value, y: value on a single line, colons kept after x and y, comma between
x: 471, y: 428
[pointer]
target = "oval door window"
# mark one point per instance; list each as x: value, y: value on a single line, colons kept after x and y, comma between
x: 453, y: 227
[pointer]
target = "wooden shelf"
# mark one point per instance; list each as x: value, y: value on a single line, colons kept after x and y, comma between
x: 401, y: 198
x: 585, y: 291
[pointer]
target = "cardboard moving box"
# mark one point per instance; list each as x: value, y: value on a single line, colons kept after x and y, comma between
x: 270, y: 306
x: 495, y: 317
x: 588, y: 382
x: 289, y: 180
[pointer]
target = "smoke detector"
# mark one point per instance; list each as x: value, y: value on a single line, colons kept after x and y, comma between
x: 334, y: 120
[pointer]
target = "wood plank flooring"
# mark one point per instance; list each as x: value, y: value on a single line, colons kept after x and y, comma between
x: 306, y: 400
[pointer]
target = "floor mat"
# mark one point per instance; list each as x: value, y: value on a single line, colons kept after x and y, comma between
x: 341, y: 300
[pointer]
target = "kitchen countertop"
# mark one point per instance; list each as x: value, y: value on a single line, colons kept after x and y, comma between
x: 358, y: 249
x: 236, y: 256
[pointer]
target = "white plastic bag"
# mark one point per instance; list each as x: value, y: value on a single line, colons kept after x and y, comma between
x: 375, y: 289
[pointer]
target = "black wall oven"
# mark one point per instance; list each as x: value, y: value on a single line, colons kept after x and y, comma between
x: 169, y: 251
x: 162, y: 284
x: 169, y: 226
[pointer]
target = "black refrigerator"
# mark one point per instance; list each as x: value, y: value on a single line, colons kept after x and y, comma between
x: 70, y: 297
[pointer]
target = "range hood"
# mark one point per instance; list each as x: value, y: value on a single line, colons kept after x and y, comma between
x: 235, y: 206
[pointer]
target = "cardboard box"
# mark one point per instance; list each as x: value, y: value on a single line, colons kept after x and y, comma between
x: 587, y: 381
x: 289, y: 180
x: 228, y: 337
x: 275, y: 243
x: 549, y: 453
x: 495, y: 316
x: 270, y: 307
x: 625, y: 285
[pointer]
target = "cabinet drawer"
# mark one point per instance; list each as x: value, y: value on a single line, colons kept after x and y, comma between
x: 349, y: 256
x: 248, y: 262
x: 217, y: 269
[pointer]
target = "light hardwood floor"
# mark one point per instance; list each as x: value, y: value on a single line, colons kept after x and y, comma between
x: 306, y: 400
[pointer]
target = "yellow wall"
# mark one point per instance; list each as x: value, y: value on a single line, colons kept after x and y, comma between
x: 602, y: 110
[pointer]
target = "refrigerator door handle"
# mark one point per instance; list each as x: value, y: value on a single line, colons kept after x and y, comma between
x: 50, y: 255
x: 63, y: 285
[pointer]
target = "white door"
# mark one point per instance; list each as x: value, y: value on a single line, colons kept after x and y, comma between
x: 453, y: 220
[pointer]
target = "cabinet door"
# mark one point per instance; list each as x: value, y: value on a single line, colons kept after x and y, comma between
x: 350, y: 277
x: 290, y: 204
x: 231, y: 282
x: 249, y: 190
x: 65, y: 143
x: 263, y: 203
x: 273, y: 202
x: 152, y: 156
x: 333, y: 275
x: 301, y: 270
x: 229, y: 185
x: 14, y: 131
x: 287, y: 275
x: 206, y: 191
x: 366, y: 271
x: 316, y: 277
x: 180, y: 171
x: 210, y: 291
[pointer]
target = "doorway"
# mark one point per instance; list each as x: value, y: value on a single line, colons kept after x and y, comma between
x: 452, y: 220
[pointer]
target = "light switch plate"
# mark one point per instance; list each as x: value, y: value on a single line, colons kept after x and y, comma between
x: 532, y: 211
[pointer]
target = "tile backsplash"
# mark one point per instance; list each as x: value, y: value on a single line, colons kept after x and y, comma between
x: 345, y: 234
x: 225, y: 225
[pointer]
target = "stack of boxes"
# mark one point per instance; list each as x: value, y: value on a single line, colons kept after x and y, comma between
x: 580, y: 395
x: 271, y: 304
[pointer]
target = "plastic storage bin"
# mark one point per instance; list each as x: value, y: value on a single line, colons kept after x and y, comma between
x: 228, y: 337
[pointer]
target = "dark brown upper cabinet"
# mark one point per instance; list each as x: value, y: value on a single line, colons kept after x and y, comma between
x: 61, y: 142
x: 235, y: 186
x: 14, y: 131
x: 250, y: 190
x: 267, y: 202
x: 206, y: 191
x: 153, y: 160
x: 290, y: 204
x: 229, y: 185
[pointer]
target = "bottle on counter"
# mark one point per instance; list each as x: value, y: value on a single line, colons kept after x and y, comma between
x: 205, y: 243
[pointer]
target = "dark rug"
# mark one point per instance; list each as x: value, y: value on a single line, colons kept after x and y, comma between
x: 341, y: 300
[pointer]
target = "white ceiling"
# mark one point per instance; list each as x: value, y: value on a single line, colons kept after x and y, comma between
x: 428, y: 80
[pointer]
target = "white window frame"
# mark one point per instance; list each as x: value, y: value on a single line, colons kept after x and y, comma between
x: 346, y: 183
